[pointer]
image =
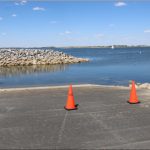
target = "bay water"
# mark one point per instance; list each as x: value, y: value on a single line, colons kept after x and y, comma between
x: 106, y: 67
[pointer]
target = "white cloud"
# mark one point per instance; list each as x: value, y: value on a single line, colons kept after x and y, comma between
x: 68, y: 32
x: 13, y: 15
x: 120, y: 4
x: 3, y: 34
x: 16, y: 3
x: 147, y: 31
x: 21, y: 2
x: 53, y: 22
x: 61, y: 33
x: 38, y: 8
x: 1, y: 18
x: 99, y: 35
x: 111, y: 25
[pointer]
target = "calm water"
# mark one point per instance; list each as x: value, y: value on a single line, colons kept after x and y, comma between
x: 107, y: 66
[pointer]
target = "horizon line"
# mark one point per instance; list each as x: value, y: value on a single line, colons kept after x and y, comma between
x: 142, y: 45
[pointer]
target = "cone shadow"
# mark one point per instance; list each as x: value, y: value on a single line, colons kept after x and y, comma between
x: 76, y: 107
x: 134, y: 103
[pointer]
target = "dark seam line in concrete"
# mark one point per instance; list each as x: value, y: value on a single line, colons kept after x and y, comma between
x: 62, y: 128
x: 28, y: 91
x: 135, y: 127
x: 116, y: 135
x: 127, y: 144
x: 94, y: 112
x: 49, y: 110
x: 119, y: 130
x: 35, y: 114
x: 40, y: 111
x: 13, y: 128
x: 109, y: 104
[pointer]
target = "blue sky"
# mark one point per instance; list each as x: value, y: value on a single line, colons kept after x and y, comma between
x: 27, y: 23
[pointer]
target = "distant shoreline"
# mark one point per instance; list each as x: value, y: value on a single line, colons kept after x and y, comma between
x: 115, y: 46
x: 67, y: 47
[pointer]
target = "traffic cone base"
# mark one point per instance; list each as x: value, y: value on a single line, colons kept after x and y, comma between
x: 71, y: 108
x: 75, y: 108
x: 133, y: 102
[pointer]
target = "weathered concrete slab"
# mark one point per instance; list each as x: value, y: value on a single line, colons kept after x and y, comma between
x: 36, y: 119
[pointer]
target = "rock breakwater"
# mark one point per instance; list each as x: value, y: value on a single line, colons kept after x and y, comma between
x: 26, y: 57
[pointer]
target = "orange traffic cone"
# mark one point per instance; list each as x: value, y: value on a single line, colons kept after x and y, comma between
x: 133, y: 97
x: 70, y: 104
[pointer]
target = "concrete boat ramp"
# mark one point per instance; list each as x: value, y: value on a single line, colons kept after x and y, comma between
x: 35, y: 118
